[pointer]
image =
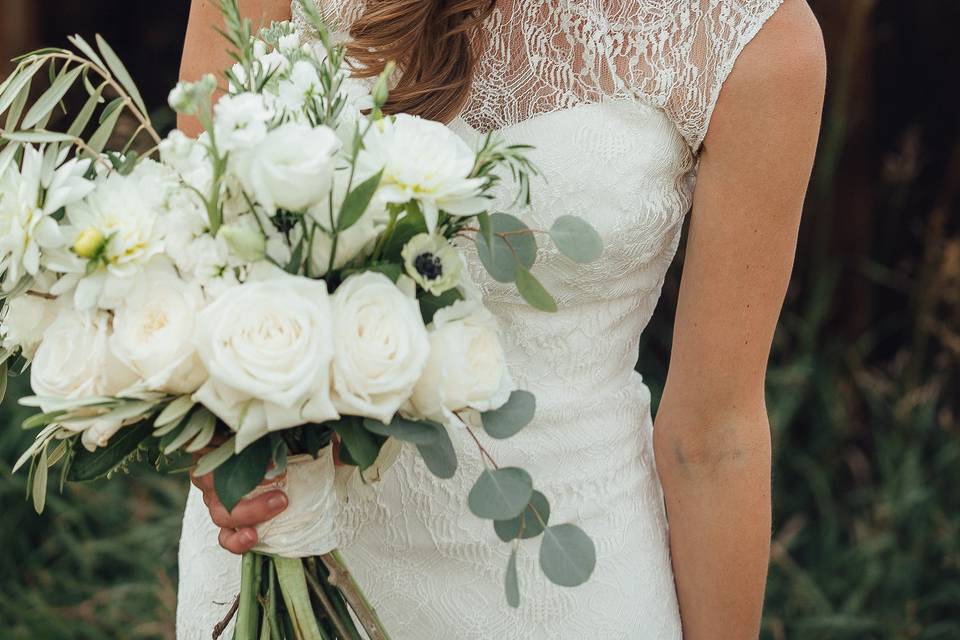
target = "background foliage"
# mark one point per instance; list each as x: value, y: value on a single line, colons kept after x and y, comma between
x: 862, y: 388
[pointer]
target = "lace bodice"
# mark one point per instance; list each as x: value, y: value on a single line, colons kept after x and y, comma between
x: 615, y: 96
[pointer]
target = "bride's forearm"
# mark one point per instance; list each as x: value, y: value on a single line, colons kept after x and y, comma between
x: 716, y: 481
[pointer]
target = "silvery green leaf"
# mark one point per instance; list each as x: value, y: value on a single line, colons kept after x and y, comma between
x: 37, y: 137
x: 174, y: 411
x: 126, y: 410
x: 13, y: 89
x: 87, y: 50
x: 279, y: 458
x: 511, y: 583
x: 424, y: 432
x: 39, y: 441
x: 100, y: 137
x: 208, y: 427
x: 108, y: 110
x: 486, y: 229
x: 51, y: 97
x: 209, y: 462
x: 58, y: 404
x: 440, y: 457
x: 509, y: 419
x: 16, y: 108
x: 121, y: 74
x: 533, y: 292
x: 7, y: 156
x: 194, y: 425
x: 42, y: 419
x: 500, y: 494
x: 513, y: 246
x: 576, y: 239
x: 40, y: 474
x: 357, y: 201
x: 4, y: 377
x: 528, y: 524
x: 58, y: 453
x: 567, y: 555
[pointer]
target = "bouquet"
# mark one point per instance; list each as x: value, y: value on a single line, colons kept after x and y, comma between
x: 289, y: 283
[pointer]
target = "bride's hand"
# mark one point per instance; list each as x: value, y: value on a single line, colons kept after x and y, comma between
x: 237, y: 532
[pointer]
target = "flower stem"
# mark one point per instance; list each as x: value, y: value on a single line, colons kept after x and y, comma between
x: 341, y: 578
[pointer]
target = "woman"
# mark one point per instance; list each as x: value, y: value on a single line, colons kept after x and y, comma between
x: 622, y: 100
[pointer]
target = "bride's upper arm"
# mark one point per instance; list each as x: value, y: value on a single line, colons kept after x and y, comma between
x: 754, y: 168
x: 205, y: 51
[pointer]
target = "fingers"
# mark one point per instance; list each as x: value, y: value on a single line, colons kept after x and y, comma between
x: 247, y: 513
x: 238, y: 541
x: 204, y: 482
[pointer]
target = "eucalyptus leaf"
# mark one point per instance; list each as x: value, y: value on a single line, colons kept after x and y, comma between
x: 576, y: 239
x: 423, y: 432
x: 513, y: 246
x: 90, y: 465
x: 361, y: 445
x: 500, y: 494
x: 440, y: 457
x: 121, y: 74
x: 509, y: 419
x: 533, y: 292
x: 430, y: 304
x: 357, y: 201
x: 211, y: 461
x: 240, y: 474
x: 511, y: 583
x: 486, y: 229
x: 51, y: 97
x: 567, y: 555
x: 279, y: 457
x: 528, y: 524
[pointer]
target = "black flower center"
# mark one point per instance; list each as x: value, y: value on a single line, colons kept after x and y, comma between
x: 429, y: 266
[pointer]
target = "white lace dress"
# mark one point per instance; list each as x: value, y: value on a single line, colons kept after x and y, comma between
x: 616, y: 96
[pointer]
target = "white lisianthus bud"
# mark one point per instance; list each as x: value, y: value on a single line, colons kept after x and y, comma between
x: 245, y: 242
x: 187, y: 97
x: 467, y: 366
x: 382, y: 346
x: 291, y: 168
x: 432, y: 262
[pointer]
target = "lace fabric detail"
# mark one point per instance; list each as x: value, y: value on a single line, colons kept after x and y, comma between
x: 618, y: 153
x: 540, y: 56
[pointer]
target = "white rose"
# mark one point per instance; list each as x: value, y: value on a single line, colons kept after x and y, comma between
x: 291, y: 168
x: 382, y: 346
x: 74, y: 359
x: 423, y: 161
x: 153, y: 333
x: 467, y: 366
x: 267, y: 346
x: 26, y: 317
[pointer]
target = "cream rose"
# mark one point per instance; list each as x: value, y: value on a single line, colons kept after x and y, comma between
x: 267, y: 346
x: 467, y: 366
x: 291, y: 168
x: 153, y: 333
x: 25, y: 319
x: 382, y: 345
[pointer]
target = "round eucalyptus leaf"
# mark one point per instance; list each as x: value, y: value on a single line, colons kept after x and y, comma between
x: 513, y: 245
x: 527, y: 524
x: 577, y: 239
x: 567, y: 555
x: 500, y: 494
x: 511, y: 583
x: 440, y: 456
x: 509, y: 419
x: 533, y: 292
x: 411, y: 431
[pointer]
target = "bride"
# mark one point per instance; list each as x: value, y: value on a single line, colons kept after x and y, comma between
x: 629, y: 104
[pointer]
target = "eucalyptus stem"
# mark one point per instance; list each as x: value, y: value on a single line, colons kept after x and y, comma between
x: 341, y: 578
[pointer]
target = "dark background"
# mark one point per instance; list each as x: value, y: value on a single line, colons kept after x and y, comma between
x: 862, y: 388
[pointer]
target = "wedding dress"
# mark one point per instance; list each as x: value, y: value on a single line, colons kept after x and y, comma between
x: 616, y: 97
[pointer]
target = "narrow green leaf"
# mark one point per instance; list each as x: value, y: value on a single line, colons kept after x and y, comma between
x: 87, y: 50
x: 51, y: 97
x: 511, y: 583
x: 211, y: 461
x: 196, y: 423
x: 241, y: 473
x: 533, y: 292
x: 425, y: 432
x: 509, y: 419
x: 357, y: 201
x: 4, y: 372
x: 42, y: 419
x: 296, y: 258
x: 90, y: 465
x: 293, y: 586
x: 16, y: 109
x: 40, y: 474
x: 102, y: 135
x: 500, y: 494
x: 17, y: 84
x: 208, y: 427
x: 37, y: 137
x: 7, y: 156
x: 174, y: 411
x: 527, y: 524
x: 567, y: 555
x: 108, y: 110
x: 576, y: 239
x: 121, y: 73
x: 440, y: 457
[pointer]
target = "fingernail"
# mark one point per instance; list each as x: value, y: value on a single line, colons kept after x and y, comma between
x: 249, y: 535
x: 277, y: 502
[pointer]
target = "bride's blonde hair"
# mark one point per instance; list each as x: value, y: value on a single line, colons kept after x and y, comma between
x: 431, y: 42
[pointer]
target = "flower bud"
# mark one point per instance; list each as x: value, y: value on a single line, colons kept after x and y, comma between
x: 246, y: 243
x: 89, y: 243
